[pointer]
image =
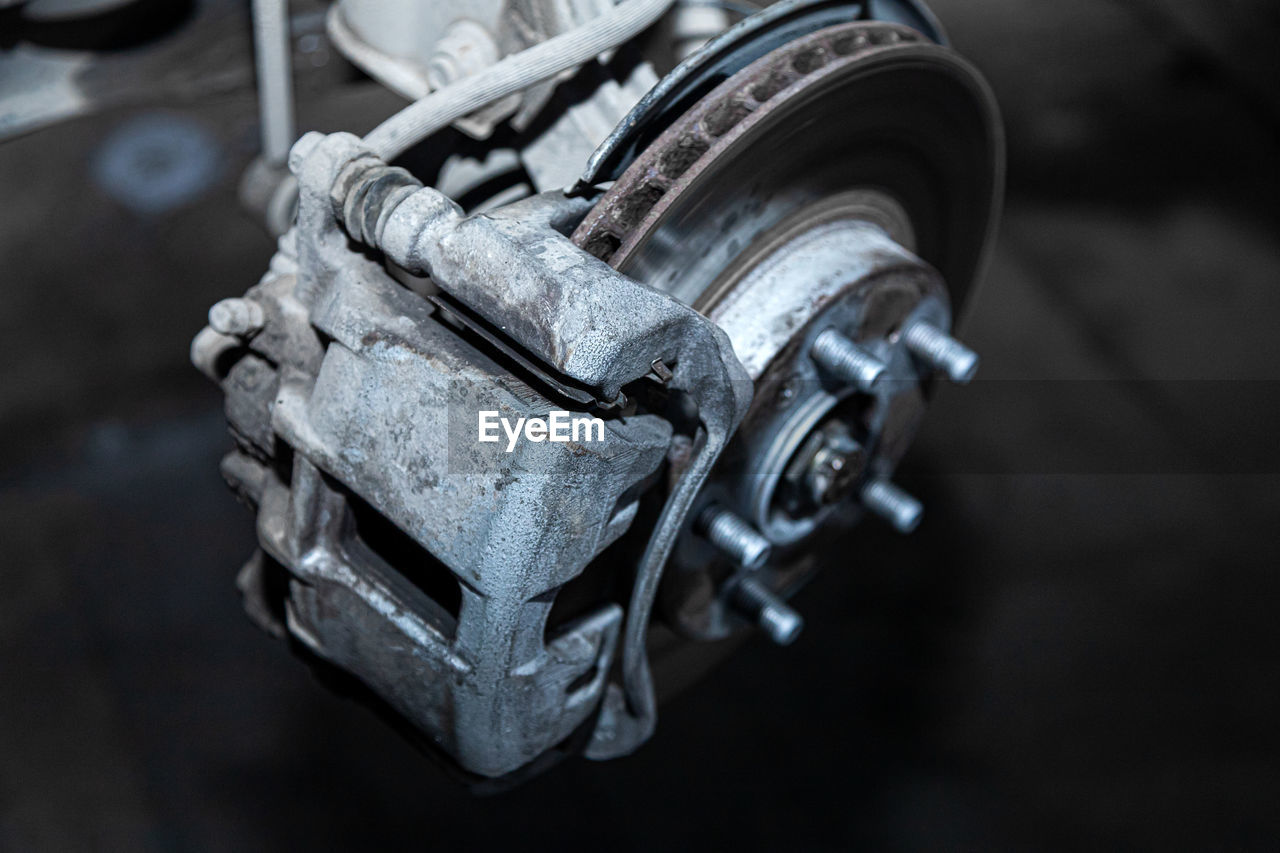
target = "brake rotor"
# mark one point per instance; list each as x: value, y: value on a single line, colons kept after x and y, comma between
x: 852, y: 114
x: 860, y: 137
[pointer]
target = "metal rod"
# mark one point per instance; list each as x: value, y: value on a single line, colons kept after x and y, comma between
x: 273, y: 53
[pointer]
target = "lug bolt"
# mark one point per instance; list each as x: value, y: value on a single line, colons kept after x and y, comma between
x: 735, y: 537
x: 237, y: 317
x: 777, y: 618
x: 893, y: 505
x: 942, y: 351
x: 842, y: 357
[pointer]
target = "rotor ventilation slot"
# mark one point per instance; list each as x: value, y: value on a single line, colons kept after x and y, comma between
x: 726, y: 116
x: 603, y: 245
x: 775, y: 83
x: 637, y: 204
x: 809, y: 60
x: 691, y: 139
x: 677, y: 161
x: 845, y: 45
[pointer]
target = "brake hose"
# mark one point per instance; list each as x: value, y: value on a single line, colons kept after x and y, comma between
x: 518, y: 71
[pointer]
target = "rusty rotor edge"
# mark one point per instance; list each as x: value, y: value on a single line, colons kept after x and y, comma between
x: 619, y: 220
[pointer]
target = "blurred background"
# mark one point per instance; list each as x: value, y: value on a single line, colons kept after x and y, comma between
x: 1077, y: 649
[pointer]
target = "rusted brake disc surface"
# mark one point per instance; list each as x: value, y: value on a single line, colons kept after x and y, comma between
x: 860, y: 106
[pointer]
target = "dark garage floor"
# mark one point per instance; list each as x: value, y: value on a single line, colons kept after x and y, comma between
x: 1078, y: 648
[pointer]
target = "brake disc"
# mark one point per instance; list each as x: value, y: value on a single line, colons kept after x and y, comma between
x: 849, y: 179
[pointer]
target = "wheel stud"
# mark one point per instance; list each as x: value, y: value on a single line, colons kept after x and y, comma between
x: 893, y: 505
x: 774, y: 616
x: 845, y: 359
x: 735, y: 537
x: 935, y: 347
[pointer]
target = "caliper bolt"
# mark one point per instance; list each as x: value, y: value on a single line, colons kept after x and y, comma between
x: 777, y: 618
x: 940, y: 350
x: 735, y: 537
x: 845, y: 359
x: 892, y: 504
x: 237, y: 317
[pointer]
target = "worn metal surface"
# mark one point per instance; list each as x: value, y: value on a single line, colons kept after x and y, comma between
x: 386, y: 408
x: 763, y: 145
x: 690, y: 295
x: 586, y: 321
x: 386, y: 416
